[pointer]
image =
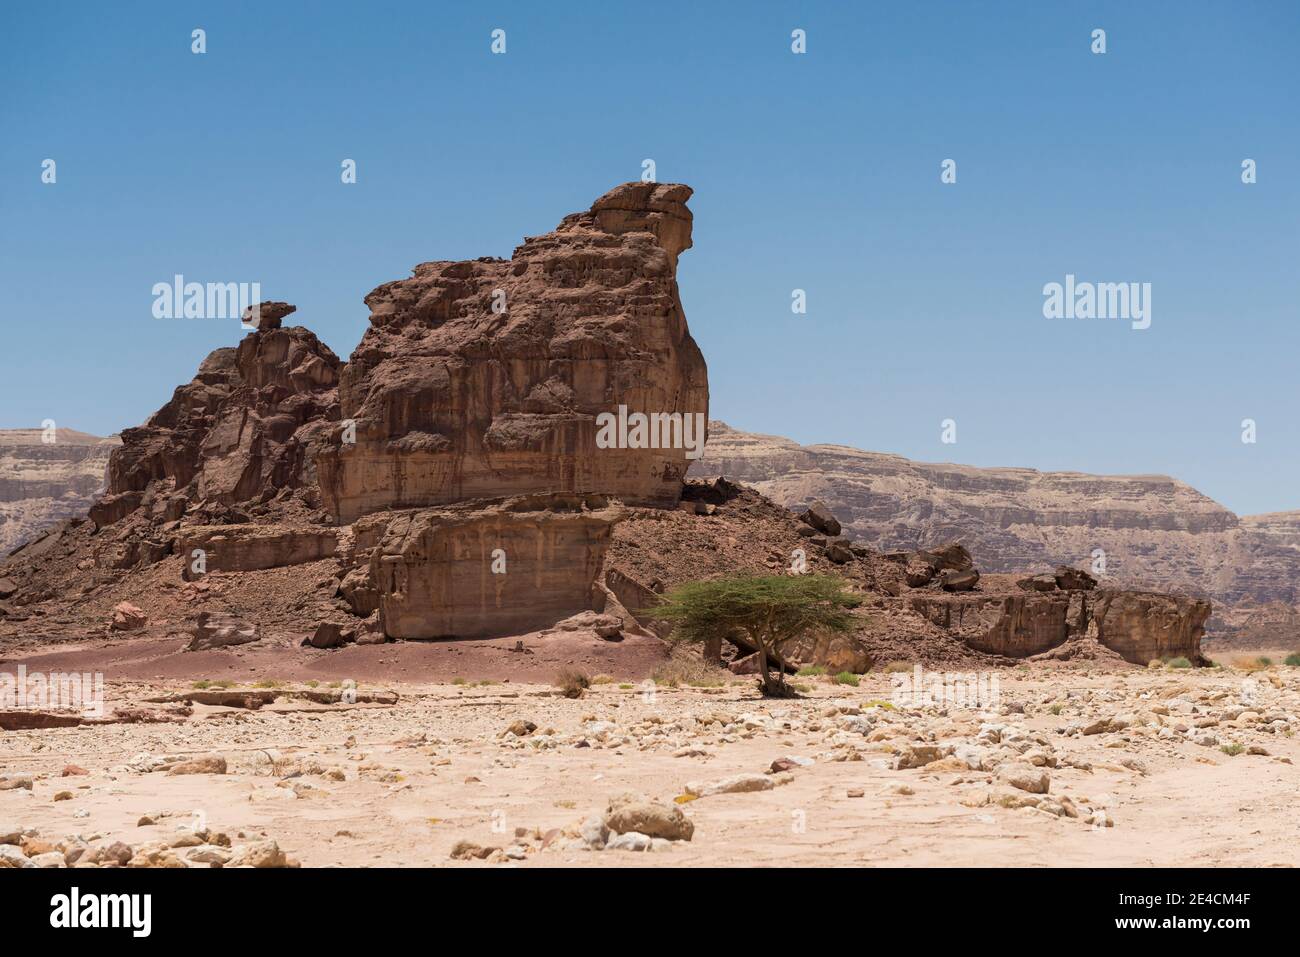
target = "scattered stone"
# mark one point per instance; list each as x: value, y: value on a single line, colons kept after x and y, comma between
x: 1026, y: 777
x: 127, y: 617
x: 918, y: 757
x: 635, y: 813
x: 258, y: 854
x: 207, y: 764
x: 468, y: 850
x: 736, y: 784
x: 821, y: 518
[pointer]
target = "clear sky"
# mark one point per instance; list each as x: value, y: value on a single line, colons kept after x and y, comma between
x: 818, y: 171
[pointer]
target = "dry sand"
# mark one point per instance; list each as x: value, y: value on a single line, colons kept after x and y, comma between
x: 366, y: 784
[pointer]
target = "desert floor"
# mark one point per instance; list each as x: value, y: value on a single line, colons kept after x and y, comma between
x: 1072, y: 766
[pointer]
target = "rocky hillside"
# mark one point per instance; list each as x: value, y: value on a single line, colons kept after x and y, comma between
x: 43, y: 482
x: 1155, y: 531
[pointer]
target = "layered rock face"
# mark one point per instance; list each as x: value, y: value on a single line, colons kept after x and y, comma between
x: 1155, y: 531
x: 484, y: 379
x: 489, y: 568
x: 43, y: 482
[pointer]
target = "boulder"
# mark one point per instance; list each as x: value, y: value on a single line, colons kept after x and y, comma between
x: 833, y: 652
x: 486, y: 378
x: 951, y: 579
x: 1043, y: 582
x: 204, y: 764
x: 919, y: 572
x: 127, y: 617
x: 1073, y: 579
x: 267, y: 315
x: 212, y: 629
x: 818, y: 516
x: 952, y: 556
x: 331, y: 634
x: 839, y: 552
x: 636, y: 813
x: 609, y: 627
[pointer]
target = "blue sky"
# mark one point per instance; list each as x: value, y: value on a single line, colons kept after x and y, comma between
x: 817, y: 171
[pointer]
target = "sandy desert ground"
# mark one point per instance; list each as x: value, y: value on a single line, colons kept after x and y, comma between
x: 1076, y: 765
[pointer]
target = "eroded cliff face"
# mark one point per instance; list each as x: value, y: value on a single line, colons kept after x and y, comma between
x: 43, y: 482
x: 1156, y: 532
x: 485, y: 378
x: 488, y: 568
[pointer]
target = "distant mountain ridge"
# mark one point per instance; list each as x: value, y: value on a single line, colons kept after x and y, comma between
x: 1156, y: 531
x: 45, y: 482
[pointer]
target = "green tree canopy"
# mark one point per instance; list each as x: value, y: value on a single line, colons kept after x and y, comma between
x: 770, y: 610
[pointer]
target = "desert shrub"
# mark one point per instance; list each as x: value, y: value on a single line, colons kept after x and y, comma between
x: 1293, y: 659
x: 1232, y: 750
x: 1179, y: 662
x: 810, y: 671
x: 685, y: 669
x: 895, y: 667
x: 200, y: 685
x: 1265, y: 661
x: 602, y: 679
x: 572, y: 682
x: 846, y: 678
x: 770, y: 610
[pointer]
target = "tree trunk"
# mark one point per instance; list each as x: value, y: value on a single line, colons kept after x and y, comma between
x: 764, y: 676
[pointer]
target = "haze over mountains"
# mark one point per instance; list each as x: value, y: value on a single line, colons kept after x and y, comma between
x: 1156, y: 531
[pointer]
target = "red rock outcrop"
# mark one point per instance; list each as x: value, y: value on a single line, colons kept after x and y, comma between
x: 484, y: 379
x: 485, y: 569
x: 1149, y: 626
x: 243, y: 429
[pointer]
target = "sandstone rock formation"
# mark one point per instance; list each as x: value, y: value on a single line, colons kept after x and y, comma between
x: 43, y: 482
x: 1156, y: 532
x: 484, y: 569
x: 484, y: 379
x: 1148, y: 626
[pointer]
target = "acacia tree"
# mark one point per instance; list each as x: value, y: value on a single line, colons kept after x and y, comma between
x: 770, y: 610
